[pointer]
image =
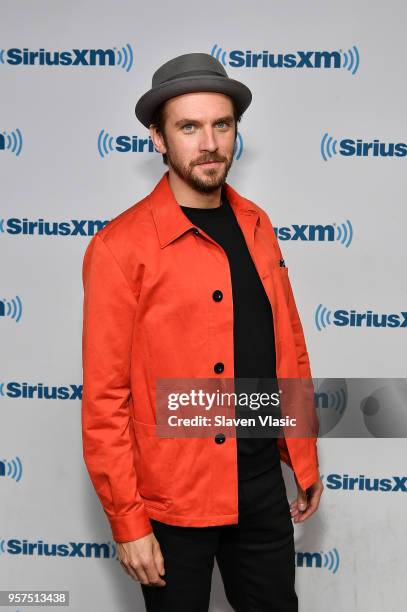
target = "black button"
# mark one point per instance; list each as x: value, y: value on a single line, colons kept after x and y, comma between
x: 219, y: 367
x: 217, y: 295
x: 220, y: 438
x: 196, y: 231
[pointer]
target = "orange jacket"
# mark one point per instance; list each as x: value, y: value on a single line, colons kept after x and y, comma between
x: 148, y: 312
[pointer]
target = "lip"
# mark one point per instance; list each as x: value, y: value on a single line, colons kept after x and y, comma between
x: 210, y: 163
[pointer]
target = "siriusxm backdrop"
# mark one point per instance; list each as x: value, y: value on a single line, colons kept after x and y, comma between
x: 322, y: 149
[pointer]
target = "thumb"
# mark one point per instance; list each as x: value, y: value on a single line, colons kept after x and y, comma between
x: 158, y: 558
x: 302, y: 499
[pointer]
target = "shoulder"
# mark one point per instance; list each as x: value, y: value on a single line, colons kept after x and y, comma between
x: 267, y: 231
x: 258, y: 208
x: 125, y: 223
x: 125, y: 235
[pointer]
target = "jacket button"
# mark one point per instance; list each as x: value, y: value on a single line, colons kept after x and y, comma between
x: 196, y: 231
x: 219, y: 367
x: 217, y: 295
x: 220, y: 438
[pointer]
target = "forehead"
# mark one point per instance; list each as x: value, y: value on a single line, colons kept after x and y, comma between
x: 198, y: 105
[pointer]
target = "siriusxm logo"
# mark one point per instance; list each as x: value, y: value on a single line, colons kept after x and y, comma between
x: 329, y: 560
x: 107, y: 144
x: 11, y: 142
x: 11, y: 308
x: 349, y: 147
x: 330, y: 232
x: 344, y: 482
x: 239, y: 58
x: 11, y: 469
x: 350, y: 318
x: 74, y: 227
x: 123, y: 144
x: 335, y: 401
x: 122, y: 57
x: 82, y: 550
x: 16, y: 390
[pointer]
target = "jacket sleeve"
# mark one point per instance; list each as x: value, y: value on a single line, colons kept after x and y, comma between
x: 108, y: 314
x: 305, y: 372
x: 302, y: 357
x: 300, y: 346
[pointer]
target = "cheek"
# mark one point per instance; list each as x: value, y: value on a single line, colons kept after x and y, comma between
x: 227, y: 145
x: 184, y: 150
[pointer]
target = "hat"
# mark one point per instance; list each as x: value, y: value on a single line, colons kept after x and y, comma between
x: 188, y: 73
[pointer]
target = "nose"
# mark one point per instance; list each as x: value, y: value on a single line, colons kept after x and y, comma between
x: 208, y: 140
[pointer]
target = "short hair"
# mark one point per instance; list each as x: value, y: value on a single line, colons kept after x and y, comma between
x: 158, y: 120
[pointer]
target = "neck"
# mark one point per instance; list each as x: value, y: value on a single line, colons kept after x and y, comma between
x: 185, y: 193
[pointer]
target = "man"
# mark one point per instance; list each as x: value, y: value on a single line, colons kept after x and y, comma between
x: 184, y: 284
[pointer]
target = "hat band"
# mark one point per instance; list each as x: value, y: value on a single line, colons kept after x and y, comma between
x: 193, y: 73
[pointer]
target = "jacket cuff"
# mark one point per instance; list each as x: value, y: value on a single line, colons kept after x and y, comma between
x: 309, y: 480
x: 129, y: 527
x: 283, y: 450
x: 311, y: 476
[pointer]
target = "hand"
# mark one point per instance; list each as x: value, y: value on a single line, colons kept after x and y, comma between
x: 142, y: 560
x: 307, y: 501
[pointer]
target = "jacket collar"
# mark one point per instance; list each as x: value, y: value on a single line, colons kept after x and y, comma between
x: 171, y: 222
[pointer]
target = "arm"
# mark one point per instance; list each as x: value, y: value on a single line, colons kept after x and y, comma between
x: 299, y: 339
x: 304, y: 372
x: 301, y: 352
x: 108, y: 314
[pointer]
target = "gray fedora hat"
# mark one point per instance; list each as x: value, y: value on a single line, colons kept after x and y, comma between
x: 188, y: 73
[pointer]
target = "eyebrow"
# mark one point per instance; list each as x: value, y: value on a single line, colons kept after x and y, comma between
x: 226, y: 118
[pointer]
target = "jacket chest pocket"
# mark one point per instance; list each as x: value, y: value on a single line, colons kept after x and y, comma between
x: 280, y: 279
x: 282, y: 272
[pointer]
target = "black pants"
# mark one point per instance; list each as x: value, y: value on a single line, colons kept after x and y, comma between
x: 256, y: 557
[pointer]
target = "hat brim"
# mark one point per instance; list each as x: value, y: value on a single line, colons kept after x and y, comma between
x: 149, y: 101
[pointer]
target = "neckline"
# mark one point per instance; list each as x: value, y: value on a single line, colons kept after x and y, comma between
x: 218, y: 210
x: 209, y: 210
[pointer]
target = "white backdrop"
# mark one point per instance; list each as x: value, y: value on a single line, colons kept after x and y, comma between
x: 70, y: 156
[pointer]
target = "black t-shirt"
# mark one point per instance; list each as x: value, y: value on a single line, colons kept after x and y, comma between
x: 253, y: 330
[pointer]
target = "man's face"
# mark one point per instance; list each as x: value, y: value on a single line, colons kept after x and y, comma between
x: 199, y: 128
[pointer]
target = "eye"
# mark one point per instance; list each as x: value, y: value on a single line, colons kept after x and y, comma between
x: 186, y: 125
x: 225, y: 124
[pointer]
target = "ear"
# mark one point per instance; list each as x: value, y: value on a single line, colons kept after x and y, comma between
x: 157, y: 139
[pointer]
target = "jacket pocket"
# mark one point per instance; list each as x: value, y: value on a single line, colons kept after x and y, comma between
x: 154, y: 459
x: 280, y: 277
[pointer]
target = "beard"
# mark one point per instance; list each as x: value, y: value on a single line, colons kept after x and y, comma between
x: 207, y: 183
